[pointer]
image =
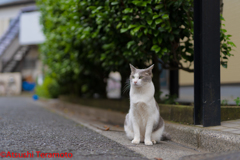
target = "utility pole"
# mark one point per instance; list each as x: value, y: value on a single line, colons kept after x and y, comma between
x: 207, y: 109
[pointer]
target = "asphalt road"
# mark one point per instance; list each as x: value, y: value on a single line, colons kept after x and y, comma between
x: 27, y: 127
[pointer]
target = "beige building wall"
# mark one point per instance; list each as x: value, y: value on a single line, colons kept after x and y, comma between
x: 231, y: 12
x: 4, y: 22
x: 32, y: 64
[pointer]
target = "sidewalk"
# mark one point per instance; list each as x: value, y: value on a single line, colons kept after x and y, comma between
x: 210, y: 139
x: 228, y: 126
x: 228, y: 93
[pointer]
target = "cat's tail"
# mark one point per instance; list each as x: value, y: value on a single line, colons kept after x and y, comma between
x: 165, y: 136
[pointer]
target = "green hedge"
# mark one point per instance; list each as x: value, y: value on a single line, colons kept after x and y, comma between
x: 86, y: 39
x: 49, y: 88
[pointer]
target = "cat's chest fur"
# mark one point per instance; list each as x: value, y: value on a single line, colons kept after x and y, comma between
x: 143, y: 94
x: 142, y: 105
x: 142, y: 99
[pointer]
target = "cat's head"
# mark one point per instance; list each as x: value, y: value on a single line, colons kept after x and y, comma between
x: 140, y: 77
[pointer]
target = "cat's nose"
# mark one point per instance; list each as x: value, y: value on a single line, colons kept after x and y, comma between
x: 135, y: 82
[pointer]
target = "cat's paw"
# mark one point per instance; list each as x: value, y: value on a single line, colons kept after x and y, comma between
x: 149, y: 143
x: 135, y: 141
x: 154, y: 142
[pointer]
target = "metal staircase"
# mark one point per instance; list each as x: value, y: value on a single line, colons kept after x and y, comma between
x: 9, y: 35
x: 11, y: 52
x: 11, y: 65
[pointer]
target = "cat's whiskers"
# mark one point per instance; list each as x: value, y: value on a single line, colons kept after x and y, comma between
x: 127, y: 86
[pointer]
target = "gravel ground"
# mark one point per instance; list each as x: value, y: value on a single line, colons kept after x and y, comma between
x: 25, y: 126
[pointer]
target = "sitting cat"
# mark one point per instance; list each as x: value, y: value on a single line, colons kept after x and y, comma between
x: 143, y: 123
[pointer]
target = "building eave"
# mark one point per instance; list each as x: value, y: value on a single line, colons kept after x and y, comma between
x: 10, y: 4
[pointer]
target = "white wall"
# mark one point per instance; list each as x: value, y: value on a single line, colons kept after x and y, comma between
x: 30, y: 29
x: 10, y: 83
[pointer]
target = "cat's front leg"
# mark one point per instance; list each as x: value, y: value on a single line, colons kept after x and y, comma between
x: 136, y: 130
x: 148, y: 132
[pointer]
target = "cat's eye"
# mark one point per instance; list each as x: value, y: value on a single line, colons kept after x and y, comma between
x: 133, y: 77
x: 140, y: 77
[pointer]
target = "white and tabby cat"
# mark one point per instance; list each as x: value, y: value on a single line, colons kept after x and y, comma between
x: 143, y: 123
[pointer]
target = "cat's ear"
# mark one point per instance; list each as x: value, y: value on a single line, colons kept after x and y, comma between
x: 133, y: 69
x: 150, y: 68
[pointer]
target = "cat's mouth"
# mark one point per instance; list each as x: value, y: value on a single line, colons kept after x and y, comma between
x: 136, y: 85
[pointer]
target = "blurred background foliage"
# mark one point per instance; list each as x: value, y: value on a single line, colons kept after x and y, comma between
x: 86, y: 39
x: 49, y: 88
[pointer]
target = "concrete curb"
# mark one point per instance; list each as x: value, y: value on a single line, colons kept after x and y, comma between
x: 202, y: 138
x: 196, y: 137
